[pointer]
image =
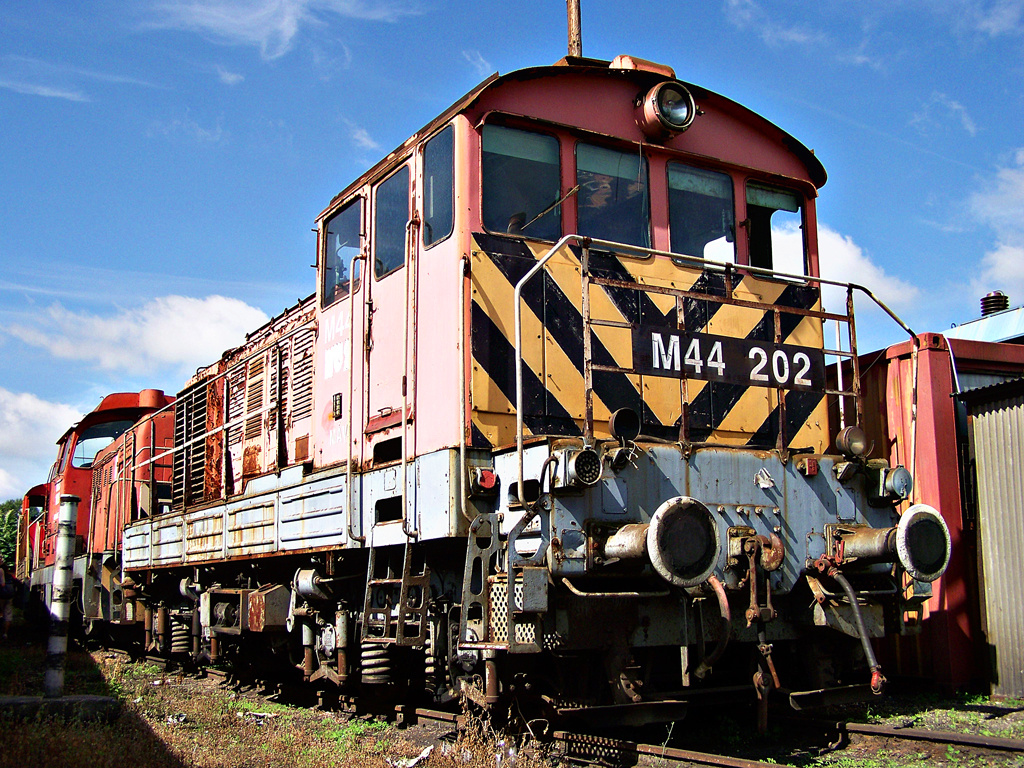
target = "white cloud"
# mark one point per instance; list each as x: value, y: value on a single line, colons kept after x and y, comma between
x: 1005, y: 17
x: 360, y: 136
x: 841, y: 259
x: 179, y: 333
x: 482, y: 67
x: 229, y: 78
x: 30, y: 426
x: 1000, y: 206
x: 270, y: 25
x: 926, y: 117
x: 190, y: 128
x: 35, y: 77
x: 747, y: 14
x: 47, y: 91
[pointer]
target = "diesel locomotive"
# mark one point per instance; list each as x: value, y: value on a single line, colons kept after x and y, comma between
x: 561, y: 424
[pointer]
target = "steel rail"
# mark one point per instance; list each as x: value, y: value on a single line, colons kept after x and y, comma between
x: 936, y: 737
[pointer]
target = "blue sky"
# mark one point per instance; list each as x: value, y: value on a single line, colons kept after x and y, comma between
x: 162, y: 161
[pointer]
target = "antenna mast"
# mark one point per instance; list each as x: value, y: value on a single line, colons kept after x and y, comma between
x: 575, y: 33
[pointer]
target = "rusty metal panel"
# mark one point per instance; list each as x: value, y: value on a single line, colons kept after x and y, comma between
x: 316, y: 517
x: 252, y: 529
x: 204, y: 534
x: 997, y: 431
x: 167, y: 541
x: 136, y: 545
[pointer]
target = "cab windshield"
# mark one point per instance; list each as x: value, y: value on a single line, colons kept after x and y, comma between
x: 613, y: 201
x: 94, y: 439
x: 701, y: 213
x: 521, y: 183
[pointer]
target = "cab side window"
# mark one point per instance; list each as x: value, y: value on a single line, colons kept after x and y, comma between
x: 613, y: 201
x: 340, y: 246
x: 438, y: 183
x: 391, y: 216
x: 521, y: 183
x: 701, y: 213
x: 776, y: 233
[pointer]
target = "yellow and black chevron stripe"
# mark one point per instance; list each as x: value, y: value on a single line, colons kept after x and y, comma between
x: 553, y: 372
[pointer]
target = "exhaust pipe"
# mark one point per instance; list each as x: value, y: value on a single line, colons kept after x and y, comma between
x: 920, y: 543
x: 681, y: 542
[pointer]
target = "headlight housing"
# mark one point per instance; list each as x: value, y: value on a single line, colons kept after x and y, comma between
x: 666, y: 110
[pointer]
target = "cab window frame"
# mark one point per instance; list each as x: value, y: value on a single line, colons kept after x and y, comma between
x: 376, y: 212
x: 555, y: 203
x: 343, y: 288
x: 761, y: 245
x: 428, y: 189
x: 645, y: 163
x: 707, y: 171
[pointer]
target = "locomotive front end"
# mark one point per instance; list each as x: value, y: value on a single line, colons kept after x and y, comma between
x: 680, y: 480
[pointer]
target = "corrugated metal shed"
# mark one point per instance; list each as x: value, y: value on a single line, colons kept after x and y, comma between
x: 997, y: 438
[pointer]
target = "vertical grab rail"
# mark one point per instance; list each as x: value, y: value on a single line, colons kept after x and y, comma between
x: 410, y: 264
x: 361, y: 538
x: 463, y: 462
x: 588, y: 343
x: 518, y: 322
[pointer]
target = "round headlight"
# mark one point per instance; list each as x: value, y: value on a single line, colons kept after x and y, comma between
x: 665, y: 110
x: 851, y: 441
x: 675, y: 106
x: 624, y: 425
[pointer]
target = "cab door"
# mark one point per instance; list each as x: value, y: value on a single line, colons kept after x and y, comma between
x: 391, y: 318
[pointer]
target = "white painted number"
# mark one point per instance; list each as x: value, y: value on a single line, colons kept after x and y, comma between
x: 780, y: 366
x: 693, y: 356
x: 762, y: 356
x: 785, y: 367
x: 715, y: 359
x: 801, y: 380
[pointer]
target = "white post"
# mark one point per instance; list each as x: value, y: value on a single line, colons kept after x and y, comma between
x: 60, y: 602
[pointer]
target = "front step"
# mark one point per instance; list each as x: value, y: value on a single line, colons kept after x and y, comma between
x: 397, y: 591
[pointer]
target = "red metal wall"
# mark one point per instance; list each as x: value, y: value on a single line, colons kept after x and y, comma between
x: 949, y: 648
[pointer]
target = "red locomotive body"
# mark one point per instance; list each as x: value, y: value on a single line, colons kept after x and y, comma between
x: 73, y: 473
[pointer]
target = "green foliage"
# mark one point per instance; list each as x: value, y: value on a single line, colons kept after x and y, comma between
x: 9, y: 512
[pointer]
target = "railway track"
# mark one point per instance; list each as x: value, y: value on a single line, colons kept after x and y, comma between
x: 583, y: 748
x: 924, y: 735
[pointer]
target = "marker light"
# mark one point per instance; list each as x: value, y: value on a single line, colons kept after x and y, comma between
x: 665, y: 110
x: 851, y: 441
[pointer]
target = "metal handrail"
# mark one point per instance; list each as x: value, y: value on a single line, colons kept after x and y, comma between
x: 360, y: 256
x: 682, y: 260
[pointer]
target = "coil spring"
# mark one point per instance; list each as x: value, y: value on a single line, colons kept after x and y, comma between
x: 432, y: 676
x: 181, y: 634
x: 376, y: 663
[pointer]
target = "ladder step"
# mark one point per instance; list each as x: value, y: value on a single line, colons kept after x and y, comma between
x: 376, y: 582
